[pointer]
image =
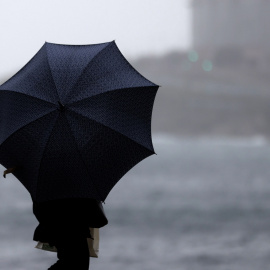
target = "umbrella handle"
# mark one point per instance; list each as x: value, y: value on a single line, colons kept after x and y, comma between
x: 9, y: 170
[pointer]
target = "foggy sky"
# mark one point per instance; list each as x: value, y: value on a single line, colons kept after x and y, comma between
x: 139, y: 27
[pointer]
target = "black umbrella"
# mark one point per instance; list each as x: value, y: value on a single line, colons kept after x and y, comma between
x: 74, y: 120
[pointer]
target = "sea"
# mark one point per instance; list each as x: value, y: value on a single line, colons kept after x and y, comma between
x: 199, y: 204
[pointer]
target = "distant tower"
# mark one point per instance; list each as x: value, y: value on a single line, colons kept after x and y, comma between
x: 239, y: 29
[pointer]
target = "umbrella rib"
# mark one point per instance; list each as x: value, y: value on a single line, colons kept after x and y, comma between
x: 25, y: 126
x: 33, y: 78
x: 111, y: 129
x: 82, y: 157
x: 89, y: 64
x: 124, y: 88
x: 29, y: 96
x: 51, y: 72
x: 42, y: 156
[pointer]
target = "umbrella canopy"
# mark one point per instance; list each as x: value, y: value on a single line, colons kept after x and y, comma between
x: 74, y: 120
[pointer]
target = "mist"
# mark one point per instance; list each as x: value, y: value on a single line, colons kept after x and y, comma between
x: 203, y: 201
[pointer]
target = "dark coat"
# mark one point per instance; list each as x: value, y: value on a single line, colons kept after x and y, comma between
x: 67, y: 217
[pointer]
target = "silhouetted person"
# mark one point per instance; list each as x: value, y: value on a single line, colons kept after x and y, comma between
x: 65, y: 223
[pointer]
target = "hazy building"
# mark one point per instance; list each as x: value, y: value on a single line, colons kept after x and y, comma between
x: 233, y: 31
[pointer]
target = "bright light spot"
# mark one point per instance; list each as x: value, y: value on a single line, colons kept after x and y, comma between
x: 207, y: 65
x: 193, y: 56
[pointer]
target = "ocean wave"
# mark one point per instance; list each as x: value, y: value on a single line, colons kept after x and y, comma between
x: 168, y: 139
